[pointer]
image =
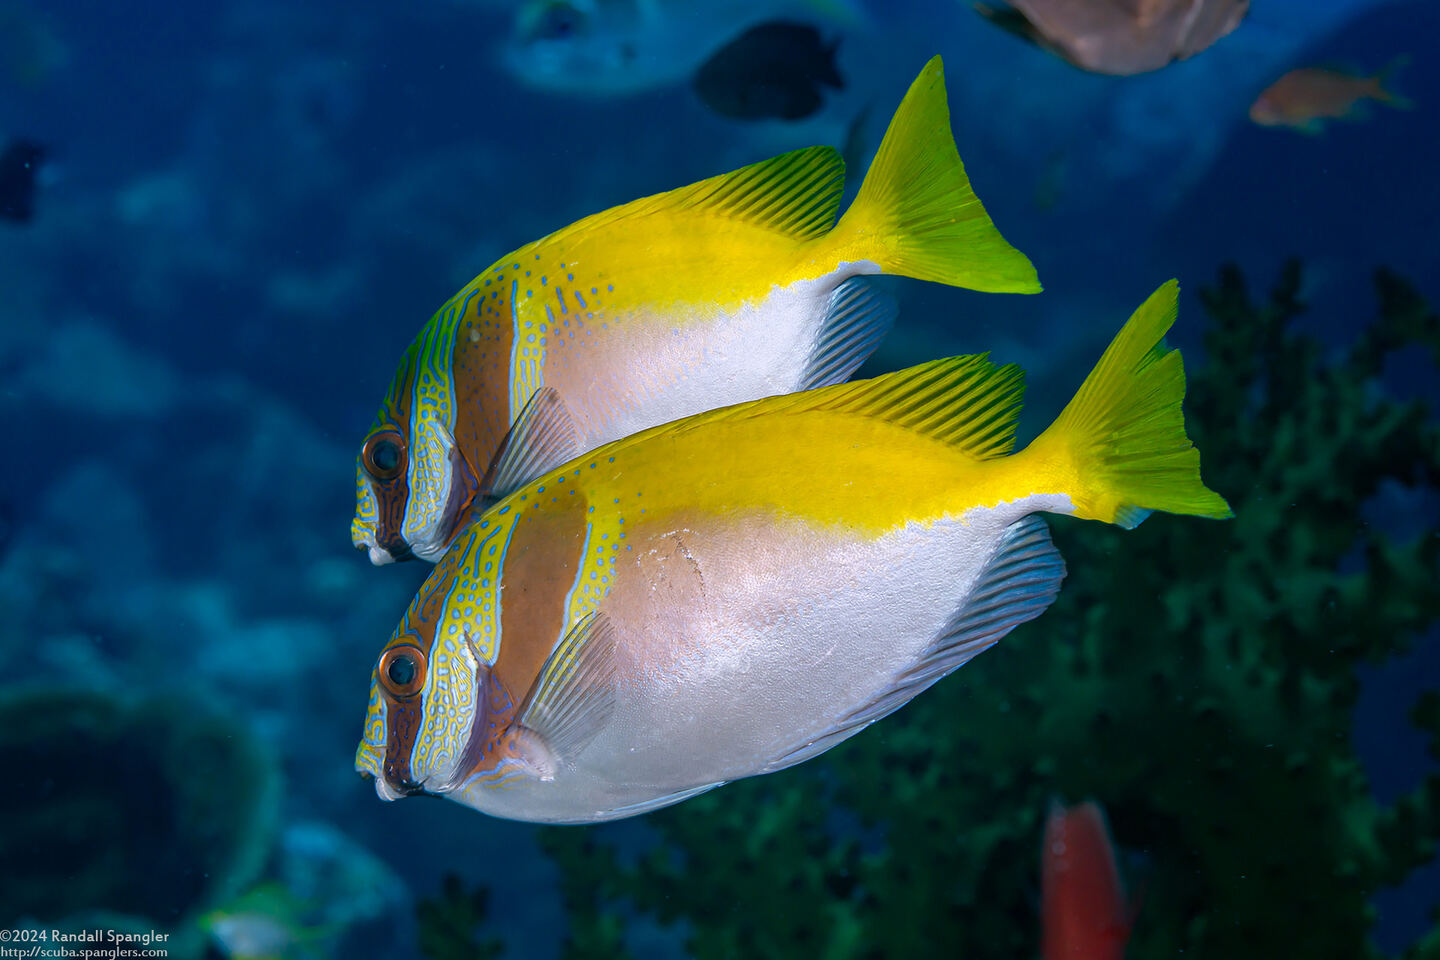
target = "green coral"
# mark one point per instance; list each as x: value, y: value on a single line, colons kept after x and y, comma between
x: 450, y: 924
x: 1197, y: 677
x: 102, y: 790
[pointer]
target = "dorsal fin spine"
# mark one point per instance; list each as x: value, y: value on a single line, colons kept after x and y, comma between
x: 967, y: 402
x: 796, y: 194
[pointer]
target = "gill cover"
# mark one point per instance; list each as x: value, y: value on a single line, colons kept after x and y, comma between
x: 413, y: 483
x: 428, y: 690
x: 418, y: 731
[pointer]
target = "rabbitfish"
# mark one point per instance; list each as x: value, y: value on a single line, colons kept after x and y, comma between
x: 742, y: 590
x: 728, y: 290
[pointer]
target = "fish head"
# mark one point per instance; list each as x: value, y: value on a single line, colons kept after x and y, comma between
x: 376, y: 482
x: 413, y: 484
x: 579, y: 46
x: 1266, y: 110
x: 430, y: 702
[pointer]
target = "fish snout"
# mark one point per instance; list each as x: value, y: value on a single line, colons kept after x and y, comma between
x: 388, y: 790
x: 380, y: 556
x: 1263, y: 112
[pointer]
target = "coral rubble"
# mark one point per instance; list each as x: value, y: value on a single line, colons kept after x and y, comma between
x: 104, y: 790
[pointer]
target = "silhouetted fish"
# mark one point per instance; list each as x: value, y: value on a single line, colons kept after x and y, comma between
x: 1119, y: 37
x: 609, y: 48
x: 775, y: 69
x: 18, y: 166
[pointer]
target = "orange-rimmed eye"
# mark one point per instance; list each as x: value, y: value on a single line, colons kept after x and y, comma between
x: 402, y: 670
x: 384, y: 455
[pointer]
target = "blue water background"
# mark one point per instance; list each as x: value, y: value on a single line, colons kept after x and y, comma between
x: 254, y: 206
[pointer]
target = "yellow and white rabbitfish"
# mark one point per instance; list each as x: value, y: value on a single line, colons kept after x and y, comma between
x: 731, y: 289
x: 742, y: 590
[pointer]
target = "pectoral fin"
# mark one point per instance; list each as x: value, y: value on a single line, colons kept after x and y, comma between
x: 541, y: 439
x: 531, y: 752
x: 573, y: 698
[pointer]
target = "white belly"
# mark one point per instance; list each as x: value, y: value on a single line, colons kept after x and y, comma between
x: 737, y: 649
x: 639, y: 372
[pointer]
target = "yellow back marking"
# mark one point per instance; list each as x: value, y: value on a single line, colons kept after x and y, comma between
x: 915, y: 445
x: 716, y: 243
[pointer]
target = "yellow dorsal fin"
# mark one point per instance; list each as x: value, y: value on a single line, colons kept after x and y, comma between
x: 967, y: 402
x: 796, y: 194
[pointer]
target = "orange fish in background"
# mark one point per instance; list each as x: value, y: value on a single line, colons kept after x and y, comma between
x: 1304, y: 99
x: 1084, y: 912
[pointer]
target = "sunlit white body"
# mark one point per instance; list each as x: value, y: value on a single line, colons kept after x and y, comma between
x: 681, y: 368
x: 741, y: 648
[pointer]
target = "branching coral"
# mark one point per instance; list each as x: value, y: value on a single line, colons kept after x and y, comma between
x: 451, y: 924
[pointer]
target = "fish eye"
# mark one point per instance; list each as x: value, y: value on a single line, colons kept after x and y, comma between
x: 384, y: 455
x: 402, y: 670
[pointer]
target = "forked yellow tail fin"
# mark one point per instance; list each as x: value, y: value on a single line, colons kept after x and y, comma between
x: 916, y: 215
x: 1123, y: 434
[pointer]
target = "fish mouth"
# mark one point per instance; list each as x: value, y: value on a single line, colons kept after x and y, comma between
x: 380, y: 556
x: 393, y: 791
x: 371, y: 767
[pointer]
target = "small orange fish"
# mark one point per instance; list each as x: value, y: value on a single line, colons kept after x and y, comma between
x: 1084, y: 912
x: 1304, y: 99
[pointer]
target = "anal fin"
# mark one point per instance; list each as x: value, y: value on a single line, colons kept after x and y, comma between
x: 857, y: 320
x: 655, y: 803
x: 543, y: 437
x: 1019, y: 581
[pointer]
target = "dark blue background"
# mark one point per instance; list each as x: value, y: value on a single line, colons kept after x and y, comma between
x: 252, y: 208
